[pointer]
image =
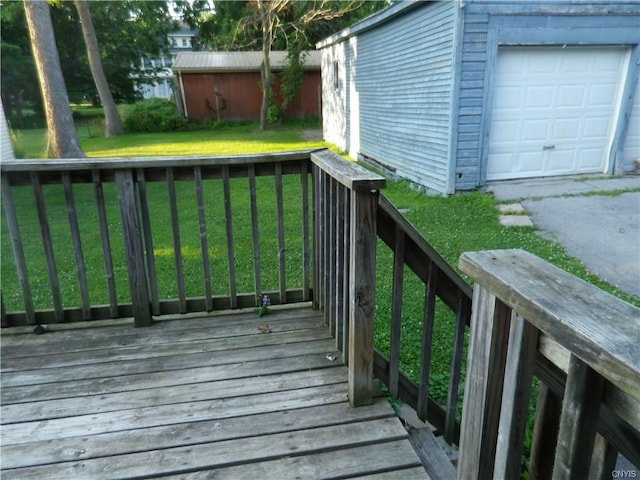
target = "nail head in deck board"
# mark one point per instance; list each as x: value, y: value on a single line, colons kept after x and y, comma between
x: 349, y: 174
x: 602, y: 330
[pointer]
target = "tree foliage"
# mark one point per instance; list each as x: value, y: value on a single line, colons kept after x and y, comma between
x: 126, y: 30
x: 268, y: 25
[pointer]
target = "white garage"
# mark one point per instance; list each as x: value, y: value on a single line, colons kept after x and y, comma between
x: 554, y: 110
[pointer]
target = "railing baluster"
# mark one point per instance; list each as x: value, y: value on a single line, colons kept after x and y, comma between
x: 204, y: 244
x: 133, y: 247
x: 580, y: 409
x: 177, y: 244
x: 462, y: 320
x: 521, y: 359
x: 346, y: 283
x: 483, y: 385
x: 331, y: 272
x: 427, y: 339
x: 77, y: 246
x: 18, y: 250
x: 396, y: 311
x: 340, y: 270
x: 322, y: 244
x: 106, y: 243
x: 47, y: 244
x: 281, y: 246
x: 304, y: 190
x: 231, y: 258
x: 4, y: 322
x: 545, y: 433
x: 255, y: 238
x: 145, y: 215
x: 315, y: 196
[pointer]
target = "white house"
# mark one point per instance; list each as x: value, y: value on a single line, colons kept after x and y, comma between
x: 159, y: 83
x: 454, y: 94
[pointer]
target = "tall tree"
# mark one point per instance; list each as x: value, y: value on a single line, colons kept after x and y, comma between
x: 63, y: 140
x: 113, y: 124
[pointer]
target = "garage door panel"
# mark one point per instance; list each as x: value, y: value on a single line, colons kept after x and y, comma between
x: 589, y: 158
x: 603, y: 94
x: 535, y: 130
x: 553, y: 110
x: 566, y: 129
x: 561, y: 161
x: 571, y: 95
x: 539, y: 97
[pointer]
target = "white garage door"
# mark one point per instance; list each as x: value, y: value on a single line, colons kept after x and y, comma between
x: 554, y: 110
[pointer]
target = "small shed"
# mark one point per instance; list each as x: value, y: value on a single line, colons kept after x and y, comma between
x: 226, y: 85
x: 454, y: 94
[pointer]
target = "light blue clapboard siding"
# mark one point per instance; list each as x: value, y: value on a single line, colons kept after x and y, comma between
x: 404, y: 77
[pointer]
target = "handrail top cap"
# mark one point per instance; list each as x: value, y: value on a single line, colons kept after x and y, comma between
x: 349, y: 174
x: 594, y: 325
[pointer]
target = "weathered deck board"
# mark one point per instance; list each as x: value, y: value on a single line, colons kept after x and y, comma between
x: 190, y: 399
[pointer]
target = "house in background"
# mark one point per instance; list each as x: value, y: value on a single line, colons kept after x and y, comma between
x: 454, y: 94
x: 226, y: 85
x: 158, y: 80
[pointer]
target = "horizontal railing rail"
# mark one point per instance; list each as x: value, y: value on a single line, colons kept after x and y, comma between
x: 159, y: 222
x: 530, y: 319
x: 439, y: 281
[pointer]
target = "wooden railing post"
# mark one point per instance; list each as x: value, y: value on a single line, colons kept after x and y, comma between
x: 490, y: 320
x: 362, y: 295
x: 133, y: 248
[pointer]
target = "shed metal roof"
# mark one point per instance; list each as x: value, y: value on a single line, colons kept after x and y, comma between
x: 237, y: 61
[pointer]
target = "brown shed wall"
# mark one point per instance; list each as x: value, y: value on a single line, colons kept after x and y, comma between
x: 240, y: 92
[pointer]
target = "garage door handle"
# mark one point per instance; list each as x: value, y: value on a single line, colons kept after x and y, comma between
x: 548, y: 147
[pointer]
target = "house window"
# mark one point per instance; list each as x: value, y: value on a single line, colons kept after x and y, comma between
x: 336, y: 75
x: 174, y: 42
x: 185, y: 43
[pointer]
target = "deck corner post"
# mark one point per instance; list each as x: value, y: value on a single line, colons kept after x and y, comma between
x: 362, y: 295
x: 133, y: 248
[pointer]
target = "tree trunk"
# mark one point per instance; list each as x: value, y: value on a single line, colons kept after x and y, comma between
x: 267, y: 36
x: 112, y: 118
x: 63, y: 141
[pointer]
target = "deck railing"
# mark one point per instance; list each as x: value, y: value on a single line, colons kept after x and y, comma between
x: 176, y: 216
x: 531, y: 318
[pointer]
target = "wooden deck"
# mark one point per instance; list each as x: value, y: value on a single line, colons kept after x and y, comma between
x: 218, y: 396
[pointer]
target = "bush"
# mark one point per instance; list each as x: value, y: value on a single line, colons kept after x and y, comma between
x: 154, y: 115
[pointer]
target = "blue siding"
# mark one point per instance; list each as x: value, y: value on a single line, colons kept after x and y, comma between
x: 488, y: 24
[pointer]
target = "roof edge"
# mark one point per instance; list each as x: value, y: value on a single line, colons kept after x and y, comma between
x: 370, y: 22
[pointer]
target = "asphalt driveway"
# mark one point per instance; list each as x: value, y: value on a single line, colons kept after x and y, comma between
x: 590, y: 218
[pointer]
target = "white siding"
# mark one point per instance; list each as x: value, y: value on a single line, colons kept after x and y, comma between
x: 396, y: 95
x: 6, y: 148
